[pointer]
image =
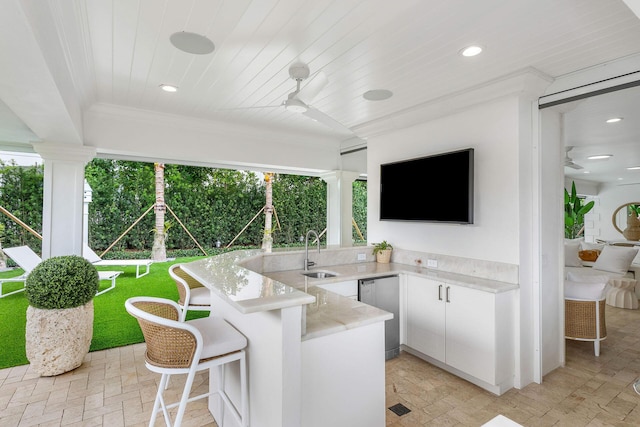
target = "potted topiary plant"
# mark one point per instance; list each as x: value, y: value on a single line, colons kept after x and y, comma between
x: 382, y: 251
x: 59, y: 328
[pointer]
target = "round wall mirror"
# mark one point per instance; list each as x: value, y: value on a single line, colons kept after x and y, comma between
x: 627, y: 216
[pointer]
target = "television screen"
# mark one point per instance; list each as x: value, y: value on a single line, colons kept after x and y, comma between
x: 436, y: 188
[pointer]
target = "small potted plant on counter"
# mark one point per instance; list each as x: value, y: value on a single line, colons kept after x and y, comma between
x: 59, y: 328
x: 382, y: 251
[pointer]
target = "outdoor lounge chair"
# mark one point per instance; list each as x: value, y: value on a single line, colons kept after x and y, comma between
x: 93, y: 257
x: 27, y: 259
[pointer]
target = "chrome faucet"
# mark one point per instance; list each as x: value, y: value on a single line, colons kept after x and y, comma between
x: 308, y: 263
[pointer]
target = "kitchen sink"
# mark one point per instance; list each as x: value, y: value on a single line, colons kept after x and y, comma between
x: 318, y: 274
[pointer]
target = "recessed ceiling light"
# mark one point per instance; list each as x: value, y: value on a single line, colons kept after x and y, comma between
x: 169, y: 88
x: 600, y: 156
x: 586, y: 172
x: 633, y: 168
x: 620, y: 179
x: 192, y: 43
x: 471, y: 51
x: 377, y: 95
x: 614, y: 120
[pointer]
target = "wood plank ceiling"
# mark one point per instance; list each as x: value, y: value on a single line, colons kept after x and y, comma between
x: 117, y: 52
x: 410, y: 47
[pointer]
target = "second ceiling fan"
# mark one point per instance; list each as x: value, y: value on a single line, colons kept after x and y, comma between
x: 568, y: 161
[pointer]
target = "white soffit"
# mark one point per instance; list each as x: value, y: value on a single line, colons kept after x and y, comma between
x: 622, y: 73
x: 12, y: 129
x: 634, y: 5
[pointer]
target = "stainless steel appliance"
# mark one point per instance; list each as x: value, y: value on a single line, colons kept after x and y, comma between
x: 384, y: 293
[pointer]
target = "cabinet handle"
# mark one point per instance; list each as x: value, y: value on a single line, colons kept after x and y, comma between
x: 448, y: 294
x: 439, y: 292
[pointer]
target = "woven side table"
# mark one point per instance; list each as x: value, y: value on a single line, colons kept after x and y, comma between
x: 622, y: 293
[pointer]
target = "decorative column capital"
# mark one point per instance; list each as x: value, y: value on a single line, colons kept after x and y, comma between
x: 64, y: 152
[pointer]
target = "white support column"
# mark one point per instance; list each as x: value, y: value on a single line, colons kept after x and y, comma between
x: 88, y: 197
x: 339, y: 207
x: 62, y: 212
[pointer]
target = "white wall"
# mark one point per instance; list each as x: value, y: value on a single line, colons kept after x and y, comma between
x: 584, y: 188
x: 492, y: 130
x: 354, y: 161
x: 507, y: 223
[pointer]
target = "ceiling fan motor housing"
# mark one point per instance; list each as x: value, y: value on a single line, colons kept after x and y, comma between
x: 299, y: 71
x: 294, y: 104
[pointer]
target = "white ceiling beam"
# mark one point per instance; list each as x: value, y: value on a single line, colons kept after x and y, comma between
x: 634, y: 5
x: 27, y: 85
x: 131, y: 134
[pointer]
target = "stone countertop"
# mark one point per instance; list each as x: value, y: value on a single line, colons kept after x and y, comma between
x: 246, y: 290
x: 324, y: 312
x: 370, y: 270
x: 331, y: 313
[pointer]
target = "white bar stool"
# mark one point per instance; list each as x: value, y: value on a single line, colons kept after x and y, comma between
x: 193, y: 295
x: 175, y: 347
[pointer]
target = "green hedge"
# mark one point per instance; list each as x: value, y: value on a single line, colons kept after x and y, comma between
x: 21, y: 194
x: 213, y: 204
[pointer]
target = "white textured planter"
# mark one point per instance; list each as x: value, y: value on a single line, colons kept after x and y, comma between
x: 58, y: 340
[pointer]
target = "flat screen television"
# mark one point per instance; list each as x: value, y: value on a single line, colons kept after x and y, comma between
x: 437, y: 188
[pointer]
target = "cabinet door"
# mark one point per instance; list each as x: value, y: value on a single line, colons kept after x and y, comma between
x: 471, y: 337
x: 426, y: 317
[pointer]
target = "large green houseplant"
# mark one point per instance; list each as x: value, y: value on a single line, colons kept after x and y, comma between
x: 574, y: 212
x: 59, y: 328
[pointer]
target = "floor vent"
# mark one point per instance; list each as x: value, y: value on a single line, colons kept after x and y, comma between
x: 399, y: 409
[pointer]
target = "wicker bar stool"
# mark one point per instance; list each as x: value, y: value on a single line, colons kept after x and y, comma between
x: 193, y: 294
x: 175, y: 347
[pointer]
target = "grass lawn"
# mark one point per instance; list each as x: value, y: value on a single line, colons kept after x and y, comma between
x: 112, y: 325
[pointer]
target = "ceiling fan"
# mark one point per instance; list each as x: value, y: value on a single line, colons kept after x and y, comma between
x: 300, y: 99
x: 568, y: 161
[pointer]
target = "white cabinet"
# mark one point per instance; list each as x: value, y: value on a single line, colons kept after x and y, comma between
x: 425, y: 314
x: 466, y: 329
x: 471, y: 332
x: 348, y: 288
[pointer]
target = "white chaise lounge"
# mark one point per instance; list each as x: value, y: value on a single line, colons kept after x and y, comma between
x: 27, y: 259
x: 93, y: 257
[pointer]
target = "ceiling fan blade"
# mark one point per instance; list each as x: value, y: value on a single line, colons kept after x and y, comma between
x: 321, y: 117
x: 254, y: 107
x: 573, y: 165
x: 313, y: 87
